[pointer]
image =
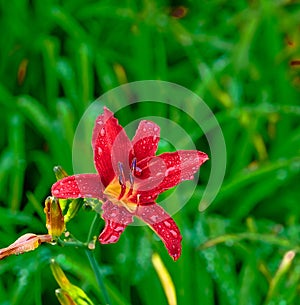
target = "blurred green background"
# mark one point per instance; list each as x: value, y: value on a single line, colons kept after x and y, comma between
x: 241, y: 57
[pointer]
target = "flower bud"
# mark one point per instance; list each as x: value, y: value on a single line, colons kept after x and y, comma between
x: 69, y: 294
x: 59, y: 172
x: 63, y: 297
x: 25, y: 243
x: 54, y: 219
x: 72, y: 208
x: 69, y: 207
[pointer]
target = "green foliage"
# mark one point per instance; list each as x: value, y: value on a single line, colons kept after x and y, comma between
x: 59, y: 56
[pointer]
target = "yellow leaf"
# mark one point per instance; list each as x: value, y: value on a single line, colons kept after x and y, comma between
x: 165, y: 279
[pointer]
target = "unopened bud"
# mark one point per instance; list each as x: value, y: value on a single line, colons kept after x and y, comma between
x: 68, y: 294
x: 59, y: 172
x: 54, y: 219
x: 25, y: 243
x: 69, y: 207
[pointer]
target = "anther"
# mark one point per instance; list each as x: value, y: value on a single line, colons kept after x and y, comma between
x: 131, y: 176
x: 122, y: 180
x: 134, y: 169
x: 133, y: 165
x: 131, y: 179
x: 121, y: 173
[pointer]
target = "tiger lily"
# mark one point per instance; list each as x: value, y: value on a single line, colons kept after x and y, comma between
x: 129, y: 179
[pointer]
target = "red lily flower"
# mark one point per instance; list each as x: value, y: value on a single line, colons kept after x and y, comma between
x: 130, y: 178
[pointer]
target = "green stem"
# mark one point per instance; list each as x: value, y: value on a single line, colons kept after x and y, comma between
x: 92, y: 228
x: 98, y: 275
x: 72, y: 243
x: 94, y: 263
x: 90, y: 254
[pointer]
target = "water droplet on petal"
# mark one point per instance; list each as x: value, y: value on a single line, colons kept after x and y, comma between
x: 112, y: 239
x: 102, y: 132
x: 155, y: 129
x: 154, y: 218
x: 167, y: 224
x: 99, y: 150
x: 169, y: 170
x: 55, y: 192
x: 174, y: 233
x: 119, y: 228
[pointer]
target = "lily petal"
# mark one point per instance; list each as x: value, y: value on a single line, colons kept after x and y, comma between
x: 78, y: 186
x: 146, y: 140
x: 164, y: 226
x: 111, y: 145
x: 165, y: 171
x: 116, y: 220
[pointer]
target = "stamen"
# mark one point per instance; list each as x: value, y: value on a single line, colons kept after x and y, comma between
x: 121, y: 173
x: 131, y: 179
x: 122, y: 180
x: 133, y: 165
x: 134, y: 169
x: 131, y: 176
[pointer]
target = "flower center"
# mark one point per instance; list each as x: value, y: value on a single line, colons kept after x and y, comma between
x: 121, y: 188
